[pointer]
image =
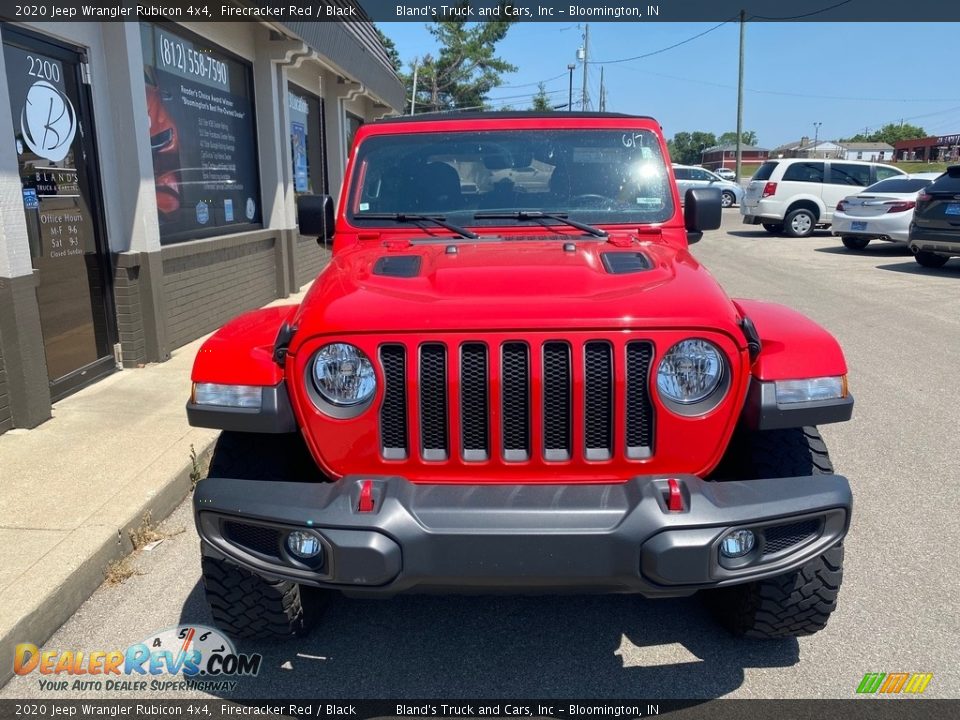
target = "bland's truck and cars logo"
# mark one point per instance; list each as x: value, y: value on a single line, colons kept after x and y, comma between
x: 186, y: 657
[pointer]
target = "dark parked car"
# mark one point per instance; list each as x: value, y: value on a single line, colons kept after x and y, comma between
x: 935, y: 231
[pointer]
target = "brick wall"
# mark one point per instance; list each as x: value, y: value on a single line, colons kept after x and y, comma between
x: 311, y: 258
x: 208, y: 282
x: 6, y: 421
x: 126, y: 290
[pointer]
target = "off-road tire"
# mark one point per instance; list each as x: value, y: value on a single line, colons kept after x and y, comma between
x: 930, y: 260
x: 792, y: 605
x: 797, y: 603
x: 245, y: 605
x: 804, y: 227
x: 773, y: 228
x: 852, y: 242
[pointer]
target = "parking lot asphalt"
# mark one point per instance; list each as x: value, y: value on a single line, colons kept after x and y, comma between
x: 900, y: 602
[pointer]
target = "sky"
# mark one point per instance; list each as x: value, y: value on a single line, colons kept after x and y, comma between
x: 845, y: 76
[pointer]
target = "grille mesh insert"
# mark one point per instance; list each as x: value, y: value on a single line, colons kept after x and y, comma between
x: 515, y: 392
x: 473, y: 401
x: 433, y: 401
x: 639, y: 408
x: 781, y: 537
x: 598, y: 400
x: 556, y: 401
x: 393, y: 412
x: 258, y: 538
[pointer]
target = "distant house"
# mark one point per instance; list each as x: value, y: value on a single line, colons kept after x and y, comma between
x: 725, y: 156
x: 936, y: 148
x: 807, y: 148
x: 875, y: 151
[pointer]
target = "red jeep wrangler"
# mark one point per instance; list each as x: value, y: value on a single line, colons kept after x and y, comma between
x: 514, y: 376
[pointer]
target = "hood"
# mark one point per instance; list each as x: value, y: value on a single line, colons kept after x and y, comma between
x: 513, y: 283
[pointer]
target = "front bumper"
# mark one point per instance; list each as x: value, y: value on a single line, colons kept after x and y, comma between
x: 522, y: 538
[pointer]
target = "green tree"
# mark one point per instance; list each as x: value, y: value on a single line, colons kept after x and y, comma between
x: 747, y: 137
x: 541, y: 101
x: 391, y: 51
x: 685, y: 147
x: 891, y: 133
x: 466, y: 68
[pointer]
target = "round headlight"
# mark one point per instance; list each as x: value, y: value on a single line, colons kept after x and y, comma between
x: 343, y: 375
x: 690, y: 371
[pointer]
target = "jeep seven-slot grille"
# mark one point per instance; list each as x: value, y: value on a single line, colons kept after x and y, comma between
x: 592, y: 369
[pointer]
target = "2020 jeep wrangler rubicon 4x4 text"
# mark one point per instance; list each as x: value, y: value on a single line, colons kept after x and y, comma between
x: 514, y: 376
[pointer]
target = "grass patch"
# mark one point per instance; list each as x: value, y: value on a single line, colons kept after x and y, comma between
x: 145, y: 533
x: 199, y: 467
x: 917, y: 167
x: 119, y: 570
x: 141, y: 536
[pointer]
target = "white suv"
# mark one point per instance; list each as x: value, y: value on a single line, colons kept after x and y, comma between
x: 794, y: 196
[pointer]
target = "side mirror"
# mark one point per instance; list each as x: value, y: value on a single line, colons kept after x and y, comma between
x: 315, y: 216
x: 701, y: 211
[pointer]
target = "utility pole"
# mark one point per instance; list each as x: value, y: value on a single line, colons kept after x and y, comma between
x: 816, y: 136
x: 413, y: 96
x: 571, y: 67
x: 585, y: 97
x: 743, y: 23
x: 603, y: 93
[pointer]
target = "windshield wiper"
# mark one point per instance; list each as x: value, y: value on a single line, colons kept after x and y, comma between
x: 540, y: 215
x: 417, y: 220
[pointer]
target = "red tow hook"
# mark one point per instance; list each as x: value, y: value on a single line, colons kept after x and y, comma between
x: 674, y: 497
x: 366, y: 497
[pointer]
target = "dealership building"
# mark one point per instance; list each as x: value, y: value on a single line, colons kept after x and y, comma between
x: 149, y: 179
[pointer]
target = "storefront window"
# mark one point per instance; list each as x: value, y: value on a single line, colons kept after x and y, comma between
x: 353, y: 124
x: 202, y: 133
x: 306, y: 142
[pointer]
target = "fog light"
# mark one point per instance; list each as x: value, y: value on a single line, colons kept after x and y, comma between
x: 737, y: 544
x: 304, y: 545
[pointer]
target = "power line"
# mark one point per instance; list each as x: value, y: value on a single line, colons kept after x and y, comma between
x: 799, y: 17
x: 555, y: 77
x: 664, y: 49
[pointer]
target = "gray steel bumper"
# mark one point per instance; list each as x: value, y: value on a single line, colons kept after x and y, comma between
x: 490, y: 537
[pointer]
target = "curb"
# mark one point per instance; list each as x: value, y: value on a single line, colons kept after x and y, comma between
x: 50, y: 608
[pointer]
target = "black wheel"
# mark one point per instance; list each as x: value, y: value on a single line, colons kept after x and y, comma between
x: 727, y: 199
x: 798, y: 603
x: 773, y: 228
x: 800, y: 223
x: 246, y: 605
x: 930, y: 260
x: 853, y: 242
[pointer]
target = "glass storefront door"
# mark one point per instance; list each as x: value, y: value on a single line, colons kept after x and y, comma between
x: 57, y: 162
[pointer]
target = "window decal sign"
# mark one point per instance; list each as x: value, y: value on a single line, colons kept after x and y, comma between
x: 48, y: 121
x: 202, y: 135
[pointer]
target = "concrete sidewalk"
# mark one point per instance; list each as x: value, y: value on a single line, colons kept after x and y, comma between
x: 72, y: 489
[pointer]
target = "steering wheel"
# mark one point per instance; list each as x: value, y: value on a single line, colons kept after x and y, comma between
x: 595, y: 199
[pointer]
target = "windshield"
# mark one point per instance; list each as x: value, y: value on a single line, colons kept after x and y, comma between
x: 593, y: 176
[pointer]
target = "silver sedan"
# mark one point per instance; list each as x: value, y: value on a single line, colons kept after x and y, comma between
x: 694, y: 177
x: 880, y: 212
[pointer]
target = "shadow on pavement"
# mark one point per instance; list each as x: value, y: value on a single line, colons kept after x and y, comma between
x: 951, y: 269
x: 423, y: 646
x: 764, y: 235
x: 879, y: 250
